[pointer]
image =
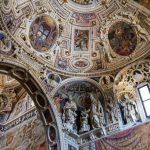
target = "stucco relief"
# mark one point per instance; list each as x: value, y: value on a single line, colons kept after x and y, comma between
x: 67, y: 36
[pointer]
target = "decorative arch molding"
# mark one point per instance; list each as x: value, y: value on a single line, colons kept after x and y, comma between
x: 39, y: 95
x: 130, y: 77
x: 80, y: 79
x: 74, y: 79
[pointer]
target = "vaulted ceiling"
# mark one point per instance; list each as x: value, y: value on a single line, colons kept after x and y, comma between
x: 73, y: 37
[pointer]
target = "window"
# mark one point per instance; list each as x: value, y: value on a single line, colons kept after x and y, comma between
x: 144, y: 92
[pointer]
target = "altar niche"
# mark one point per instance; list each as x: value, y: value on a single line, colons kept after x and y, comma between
x: 81, y: 105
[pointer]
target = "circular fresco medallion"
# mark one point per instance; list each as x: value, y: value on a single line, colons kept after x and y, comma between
x: 43, y: 33
x: 122, y: 38
x: 53, y: 79
x: 80, y: 63
x: 5, y: 43
x: 85, y: 2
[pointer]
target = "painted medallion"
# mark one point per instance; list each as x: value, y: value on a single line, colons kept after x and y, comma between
x: 52, y: 79
x: 106, y: 81
x: 43, y: 33
x: 80, y: 63
x: 122, y: 38
x: 85, y: 2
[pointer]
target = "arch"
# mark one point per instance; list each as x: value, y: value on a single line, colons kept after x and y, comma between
x: 69, y: 80
x: 93, y: 87
x: 126, y: 80
x: 41, y: 100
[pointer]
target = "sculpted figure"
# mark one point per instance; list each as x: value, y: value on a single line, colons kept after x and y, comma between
x: 112, y: 112
x: 136, y: 23
x: 129, y: 110
x: 69, y: 116
x: 105, y: 49
x: 84, y: 121
x: 57, y: 48
x: 96, y: 113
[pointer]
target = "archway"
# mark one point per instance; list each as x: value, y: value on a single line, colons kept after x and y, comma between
x: 76, y: 93
x: 41, y: 100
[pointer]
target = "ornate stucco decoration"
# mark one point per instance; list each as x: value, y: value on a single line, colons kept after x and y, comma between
x: 83, y: 42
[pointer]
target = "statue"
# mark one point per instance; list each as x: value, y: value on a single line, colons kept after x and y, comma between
x: 57, y: 48
x: 111, y: 111
x: 96, y: 113
x: 84, y: 121
x: 69, y: 115
x: 105, y: 50
x: 129, y: 110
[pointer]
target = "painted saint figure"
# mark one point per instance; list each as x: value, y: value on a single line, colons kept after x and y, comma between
x: 81, y: 40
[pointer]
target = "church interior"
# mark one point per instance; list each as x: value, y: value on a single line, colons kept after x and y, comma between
x: 74, y: 74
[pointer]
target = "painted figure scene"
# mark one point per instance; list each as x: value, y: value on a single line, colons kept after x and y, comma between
x: 85, y: 2
x: 43, y: 33
x: 122, y: 38
x: 81, y: 40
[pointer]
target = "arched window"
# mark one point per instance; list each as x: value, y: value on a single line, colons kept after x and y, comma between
x: 144, y: 92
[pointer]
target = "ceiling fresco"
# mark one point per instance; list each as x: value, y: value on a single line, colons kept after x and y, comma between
x: 122, y: 38
x: 67, y: 54
x: 85, y: 2
x: 72, y: 41
x: 42, y: 34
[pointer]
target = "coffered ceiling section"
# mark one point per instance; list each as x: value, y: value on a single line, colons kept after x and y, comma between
x: 77, y: 37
